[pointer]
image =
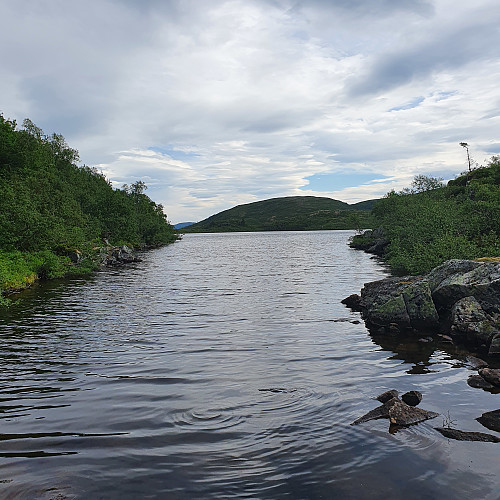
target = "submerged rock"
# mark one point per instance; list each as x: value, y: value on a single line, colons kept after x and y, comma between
x: 491, y: 420
x: 467, y: 436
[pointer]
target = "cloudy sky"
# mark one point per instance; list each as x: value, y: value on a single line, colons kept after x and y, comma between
x: 222, y: 102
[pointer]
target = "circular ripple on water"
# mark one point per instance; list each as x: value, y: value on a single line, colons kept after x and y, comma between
x: 208, y: 419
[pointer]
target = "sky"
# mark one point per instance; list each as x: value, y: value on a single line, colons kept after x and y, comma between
x: 214, y: 104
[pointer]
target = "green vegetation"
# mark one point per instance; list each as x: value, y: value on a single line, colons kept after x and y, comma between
x: 50, y: 208
x: 294, y: 213
x: 431, y: 223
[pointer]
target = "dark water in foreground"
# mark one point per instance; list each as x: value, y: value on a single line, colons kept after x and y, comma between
x: 153, y: 382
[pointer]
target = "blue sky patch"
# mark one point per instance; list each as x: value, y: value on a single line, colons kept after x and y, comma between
x: 337, y: 181
x: 173, y: 153
x: 409, y: 105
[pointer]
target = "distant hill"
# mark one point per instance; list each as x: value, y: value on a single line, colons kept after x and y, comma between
x: 182, y: 225
x: 291, y: 213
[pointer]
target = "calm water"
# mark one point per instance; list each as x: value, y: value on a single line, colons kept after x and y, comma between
x: 224, y: 366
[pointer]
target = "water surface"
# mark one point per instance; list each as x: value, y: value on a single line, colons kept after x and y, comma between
x: 225, y: 366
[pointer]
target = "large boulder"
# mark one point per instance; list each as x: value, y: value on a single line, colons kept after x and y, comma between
x: 406, y: 302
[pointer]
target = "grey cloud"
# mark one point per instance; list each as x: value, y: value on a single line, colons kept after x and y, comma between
x: 372, y: 7
x: 448, y: 51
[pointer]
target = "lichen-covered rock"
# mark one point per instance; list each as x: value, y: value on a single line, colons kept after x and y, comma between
x: 405, y: 302
x: 460, y: 297
x: 482, y: 283
x: 420, y: 307
x: 468, y: 319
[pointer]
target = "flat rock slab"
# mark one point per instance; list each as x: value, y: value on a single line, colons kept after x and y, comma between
x: 402, y: 414
x: 378, y: 412
x: 491, y: 420
x: 467, y: 436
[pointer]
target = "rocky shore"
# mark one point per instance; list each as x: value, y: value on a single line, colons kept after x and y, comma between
x: 459, y: 299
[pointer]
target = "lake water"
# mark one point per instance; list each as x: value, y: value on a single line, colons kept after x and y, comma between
x: 225, y: 366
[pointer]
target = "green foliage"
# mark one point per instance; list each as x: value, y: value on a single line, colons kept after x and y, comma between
x: 426, y: 228
x: 293, y: 213
x: 49, y: 206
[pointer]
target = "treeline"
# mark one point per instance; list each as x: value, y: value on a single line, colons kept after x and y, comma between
x: 431, y: 223
x: 49, y: 207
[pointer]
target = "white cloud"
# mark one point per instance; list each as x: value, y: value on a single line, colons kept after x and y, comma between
x: 257, y: 95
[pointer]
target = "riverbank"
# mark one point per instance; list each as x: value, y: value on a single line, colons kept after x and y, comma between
x: 459, y: 299
x: 20, y: 270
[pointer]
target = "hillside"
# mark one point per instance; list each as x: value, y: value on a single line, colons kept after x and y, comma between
x: 292, y: 213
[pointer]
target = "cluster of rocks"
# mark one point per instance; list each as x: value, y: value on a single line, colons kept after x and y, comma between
x: 460, y: 298
x: 117, y: 256
x: 403, y: 412
x: 487, y: 378
x: 371, y: 241
x: 400, y: 412
x: 108, y: 255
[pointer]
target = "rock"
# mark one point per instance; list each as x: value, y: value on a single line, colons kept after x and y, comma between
x: 405, y: 302
x: 467, y: 436
x: 491, y: 420
x: 491, y: 375
x: 379, y: 412
x: 478, y: 382
x: 74, y: 256
x: 449, y: 268
x: 420, y: 306
x: 412, y: 398
x: 468, y: 319
x: 446, y: 338
x: 482, y: 282
x: 476, y: 363
x: 402, y: 414
x: 494, y: 349
x: 353, y: 302
x: 387, y: 396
